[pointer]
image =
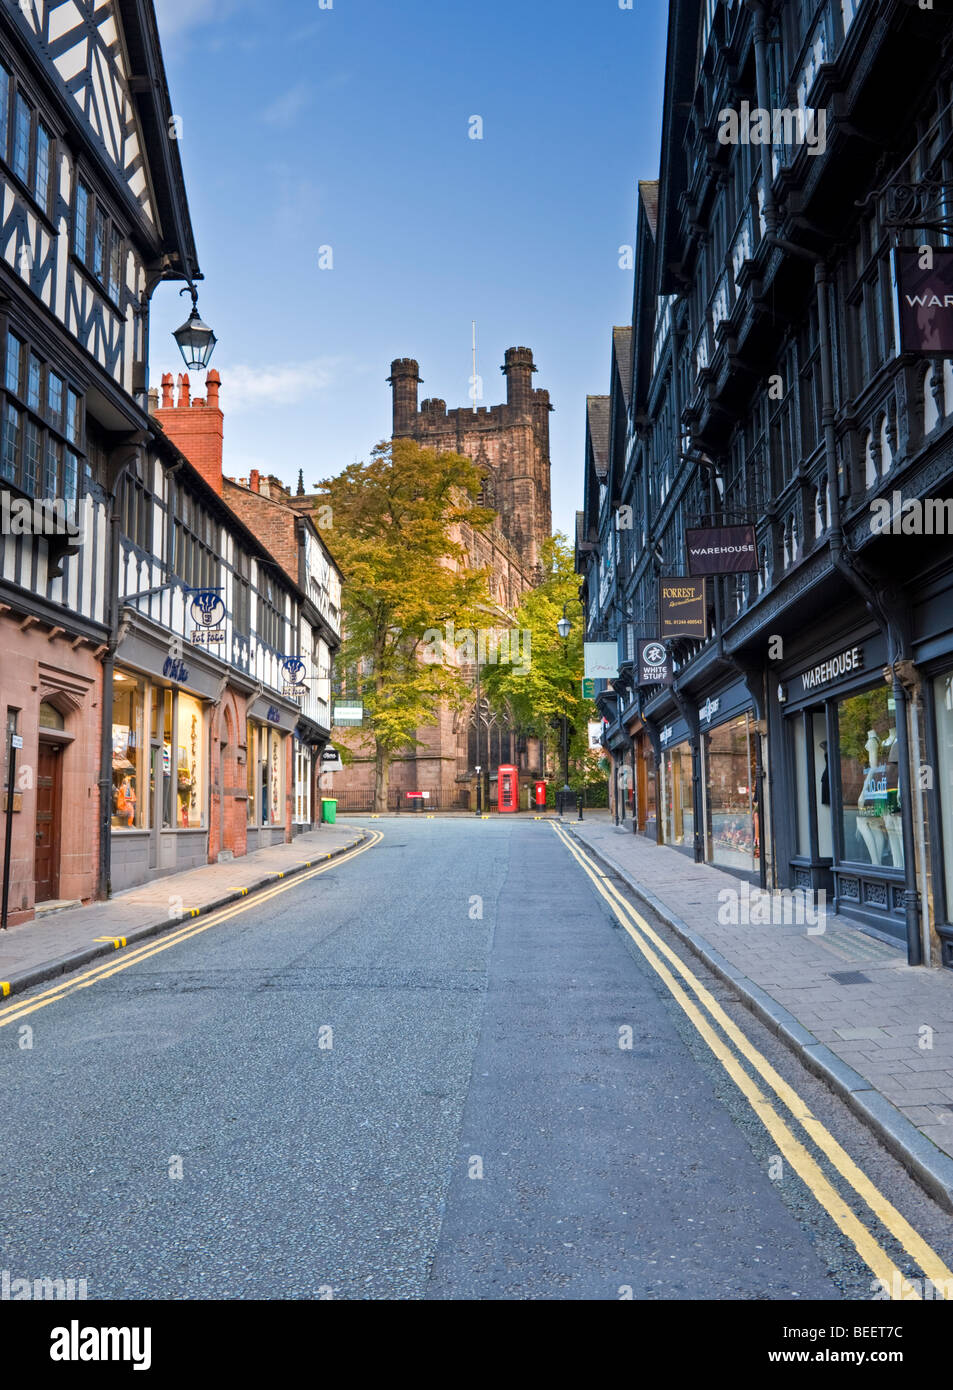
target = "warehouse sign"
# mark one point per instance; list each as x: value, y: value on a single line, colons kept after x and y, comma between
x: 837, y: 666
x: 722, y: 550
x: 923, y: 299
x: 683, y: 609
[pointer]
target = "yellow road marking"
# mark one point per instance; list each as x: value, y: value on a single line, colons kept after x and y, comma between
x: 164, y: 943
x: 896, y: 1224
x: 800, y: 1160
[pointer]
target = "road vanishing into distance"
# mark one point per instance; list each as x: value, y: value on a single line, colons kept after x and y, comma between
x: 460, y: 1063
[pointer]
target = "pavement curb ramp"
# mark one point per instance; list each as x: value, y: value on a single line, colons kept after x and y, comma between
x: 931, y: 1168
x: 65, y: 965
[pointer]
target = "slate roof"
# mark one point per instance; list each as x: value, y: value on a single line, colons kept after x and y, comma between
x: 648, y: 192
x: 622, y: 342
x: 597, y: 417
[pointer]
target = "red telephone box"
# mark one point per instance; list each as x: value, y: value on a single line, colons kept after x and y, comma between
x: 508, y: 788
x: 540, y: 793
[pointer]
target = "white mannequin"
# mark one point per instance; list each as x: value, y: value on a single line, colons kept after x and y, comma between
x: 870, y: 828
x: 892, y: 821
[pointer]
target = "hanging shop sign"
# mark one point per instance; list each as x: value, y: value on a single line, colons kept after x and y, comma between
x: 683, y: 608
x: 722, y: 550
x: 601, y: 660
x: 331, y: 760
x: 595, y: 734
x: 292, y: 675
x: 208, y: 614
x: 588, y: 689
x: 923, y: 299
x: 655, y: 668
x: 833, y: 669
x: 345, y: 712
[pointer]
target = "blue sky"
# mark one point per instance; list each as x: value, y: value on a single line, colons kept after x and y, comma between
x: 348, y: 127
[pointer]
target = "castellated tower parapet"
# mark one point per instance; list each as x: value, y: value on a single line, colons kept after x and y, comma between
x: 510, y: 443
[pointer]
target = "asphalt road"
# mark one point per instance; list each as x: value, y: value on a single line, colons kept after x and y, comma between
x: 468, y: 1128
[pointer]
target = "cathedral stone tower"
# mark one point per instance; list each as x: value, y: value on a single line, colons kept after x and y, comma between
x: 510, y: 443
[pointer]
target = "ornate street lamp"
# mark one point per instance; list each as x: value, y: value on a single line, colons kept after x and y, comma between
x: 195, y: 339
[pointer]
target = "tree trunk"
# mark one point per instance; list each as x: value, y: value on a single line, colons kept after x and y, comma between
x: 381, y: 779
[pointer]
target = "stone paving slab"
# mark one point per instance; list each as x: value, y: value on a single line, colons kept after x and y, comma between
x: 886, y: 1044
x: 36, y: 951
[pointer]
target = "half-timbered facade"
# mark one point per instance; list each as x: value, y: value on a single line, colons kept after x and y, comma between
x: 93, y: 216
x: 805, y: 740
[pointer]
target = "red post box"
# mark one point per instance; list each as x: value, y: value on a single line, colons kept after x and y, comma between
x: 508, y: 788
x: 540, y: 793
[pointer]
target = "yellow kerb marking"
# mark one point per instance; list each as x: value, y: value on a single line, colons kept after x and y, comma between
x: 899, y: 1228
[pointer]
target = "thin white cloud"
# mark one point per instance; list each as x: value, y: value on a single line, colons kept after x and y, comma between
x: 247, y: 388
x: 289, y: 106
x: 177, y: 19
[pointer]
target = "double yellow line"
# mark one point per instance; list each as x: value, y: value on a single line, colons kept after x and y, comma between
x: 31, y: 1003
x: 788, y: 1144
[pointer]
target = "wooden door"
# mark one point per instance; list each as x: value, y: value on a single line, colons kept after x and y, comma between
x: 46, y: 856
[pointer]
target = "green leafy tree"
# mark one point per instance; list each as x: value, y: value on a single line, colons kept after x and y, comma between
x: 537, y: 697
x: 397, y: 525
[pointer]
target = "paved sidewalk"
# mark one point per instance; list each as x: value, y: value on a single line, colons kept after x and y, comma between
x: 879, y: 1031
x: 36, y: 951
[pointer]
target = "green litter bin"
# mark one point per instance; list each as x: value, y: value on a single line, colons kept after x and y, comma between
x: 329, y: 810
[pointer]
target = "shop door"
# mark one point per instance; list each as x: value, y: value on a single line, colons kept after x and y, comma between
x: 46, y: 854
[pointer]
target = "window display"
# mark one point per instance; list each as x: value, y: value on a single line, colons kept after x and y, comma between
x: 943, y: 699
x: 190, y: 762
x: 734, y: 831
x: 870, y: 795
x: 129, y: 804
x: 679, y: 806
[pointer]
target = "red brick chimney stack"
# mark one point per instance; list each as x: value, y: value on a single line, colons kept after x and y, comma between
x: 254, y: 481
x: 196, y: 427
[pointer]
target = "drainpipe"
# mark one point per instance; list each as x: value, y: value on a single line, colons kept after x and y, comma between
x: 841, y: 558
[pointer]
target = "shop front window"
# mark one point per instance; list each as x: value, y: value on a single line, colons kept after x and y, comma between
x: 679, y: 806
x: 943, y: 697
x: 277, y: 779
x: 869, y: 781
x: 130, y: 803
x: 734, y: 832
x: 252, y: 780
x: 190, y: 762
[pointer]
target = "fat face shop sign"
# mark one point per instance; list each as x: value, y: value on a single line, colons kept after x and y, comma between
x: 833, y: 669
